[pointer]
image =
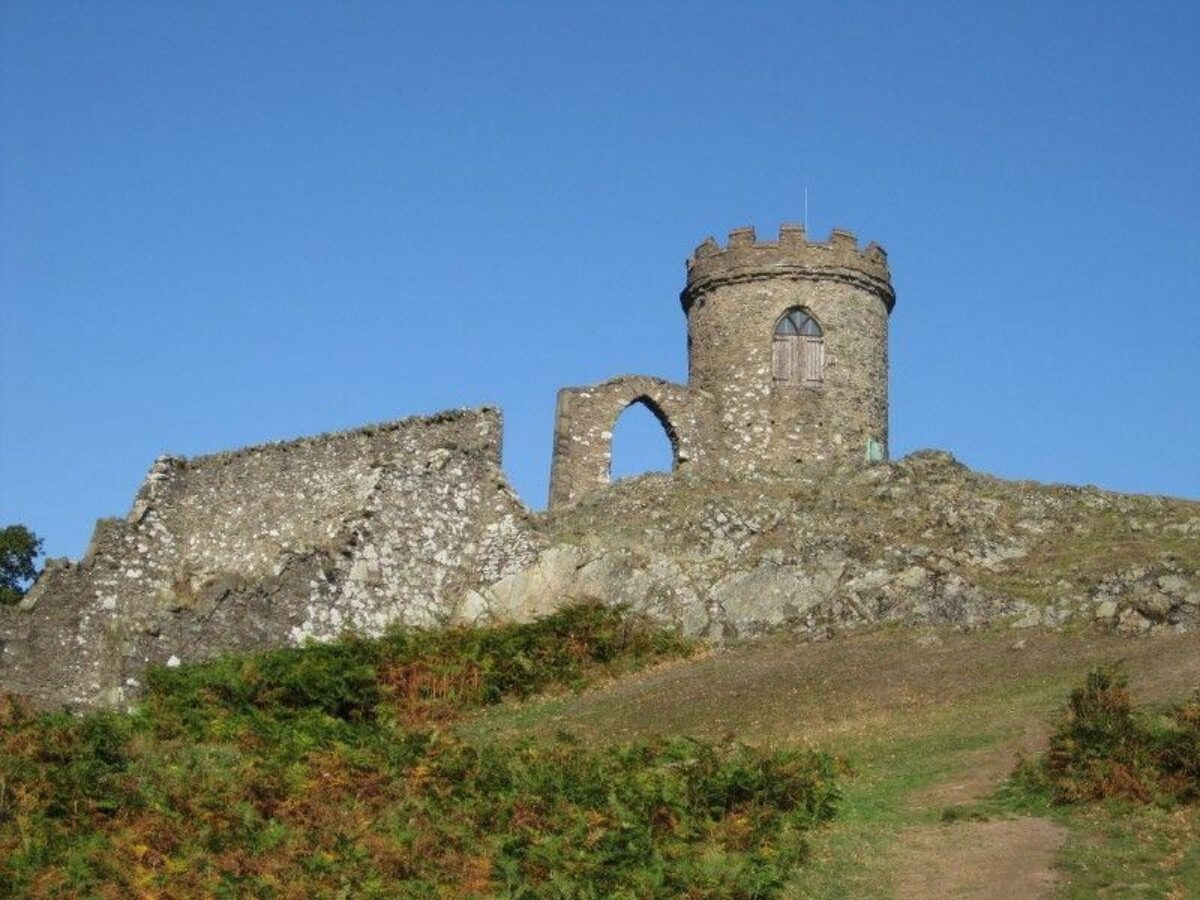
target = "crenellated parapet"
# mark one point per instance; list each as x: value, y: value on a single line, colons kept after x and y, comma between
x: 746, y: 259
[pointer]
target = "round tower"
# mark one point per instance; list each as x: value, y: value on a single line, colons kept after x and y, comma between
x: 788, y: 341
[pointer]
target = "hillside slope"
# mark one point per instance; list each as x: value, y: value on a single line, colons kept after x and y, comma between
x: 930, y: 724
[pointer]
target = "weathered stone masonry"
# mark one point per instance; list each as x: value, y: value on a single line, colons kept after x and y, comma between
x: 269, y: 546
x: 583, y: 429
x: 737, y: 413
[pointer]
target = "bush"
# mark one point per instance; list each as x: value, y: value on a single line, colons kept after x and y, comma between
x: 329, y: 771
x: 1179, y: 751
x: 415, y: 675
x: 1104, y: 748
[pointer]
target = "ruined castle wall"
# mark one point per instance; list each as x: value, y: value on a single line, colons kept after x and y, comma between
x: 270, y: 546
x: 583, y: 427
x: 68, y: 649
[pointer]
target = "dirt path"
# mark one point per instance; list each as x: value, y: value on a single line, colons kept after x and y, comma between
x: 993, y: 860
x: 997, y: 860
x: 982, y: 771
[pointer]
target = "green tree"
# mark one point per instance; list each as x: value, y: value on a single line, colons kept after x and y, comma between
x: 19, y: 549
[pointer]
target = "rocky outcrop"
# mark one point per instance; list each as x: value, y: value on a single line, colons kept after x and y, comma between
x: 924, y: 541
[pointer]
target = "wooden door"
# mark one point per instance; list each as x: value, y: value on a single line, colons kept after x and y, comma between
x: 812, y: 359
x: 783, y: 364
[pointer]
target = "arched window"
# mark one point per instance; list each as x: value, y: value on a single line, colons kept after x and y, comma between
x: 798, y: 350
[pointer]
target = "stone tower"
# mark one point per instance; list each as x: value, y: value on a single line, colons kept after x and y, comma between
x: 789, y: 339
x: 787, y: 365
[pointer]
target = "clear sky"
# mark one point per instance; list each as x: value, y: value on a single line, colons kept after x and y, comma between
x: 229, y: 222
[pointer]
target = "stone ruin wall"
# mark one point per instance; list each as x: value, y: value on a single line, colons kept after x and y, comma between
x: 584, y: 420
x: 413, y: 523
x: 270, y: 546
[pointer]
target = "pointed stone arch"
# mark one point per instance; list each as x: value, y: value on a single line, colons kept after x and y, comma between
x: 659, y: 415
x: 584, y: 425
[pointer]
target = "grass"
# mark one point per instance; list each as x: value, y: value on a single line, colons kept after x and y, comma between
x: 857, y: 855
x: 910, y: 721
x: 431, y: 765
x: 887, y: 758
x: 336, y: 771
x: 1121, y: 849
x: 1125, y: 781
x: 1116, y: 847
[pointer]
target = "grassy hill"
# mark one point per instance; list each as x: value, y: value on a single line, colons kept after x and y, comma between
x: 929, y: 725
x: 592, y: 755
x: 336, y: 771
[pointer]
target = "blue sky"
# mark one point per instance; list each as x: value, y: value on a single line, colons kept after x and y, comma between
x: 224, y: 223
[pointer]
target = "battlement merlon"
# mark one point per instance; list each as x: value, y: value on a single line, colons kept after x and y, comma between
x: 744, y: 258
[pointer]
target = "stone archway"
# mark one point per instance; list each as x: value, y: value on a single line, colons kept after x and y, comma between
x: 643, y: 431
x: 583, y: 430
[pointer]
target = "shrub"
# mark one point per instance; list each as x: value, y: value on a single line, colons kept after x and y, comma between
x: 413, y: 674
x: 1179, y: 751
x: 329, y: 771
x: 1105, y: 748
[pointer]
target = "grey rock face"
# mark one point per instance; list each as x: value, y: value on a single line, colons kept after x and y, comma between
x: 769, y: 595
x: 921, y: 541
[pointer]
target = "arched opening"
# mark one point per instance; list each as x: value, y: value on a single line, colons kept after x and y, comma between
x: 642, y: 441
x: 798, y: 349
